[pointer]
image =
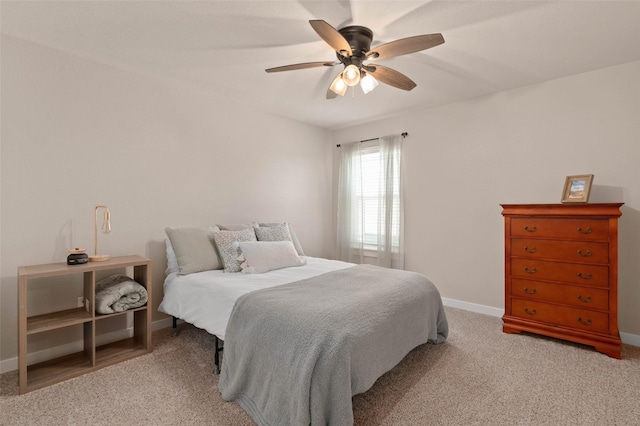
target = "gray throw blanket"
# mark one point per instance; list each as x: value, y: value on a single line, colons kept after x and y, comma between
x: 295, y: 354
x: 118, y: 293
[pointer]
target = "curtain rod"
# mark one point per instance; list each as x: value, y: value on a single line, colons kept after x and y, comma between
x: 403, y: 134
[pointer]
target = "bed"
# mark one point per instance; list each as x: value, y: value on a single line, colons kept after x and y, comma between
x: 301, y: 340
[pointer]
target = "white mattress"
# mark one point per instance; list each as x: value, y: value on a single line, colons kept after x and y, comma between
x: 205, y: 299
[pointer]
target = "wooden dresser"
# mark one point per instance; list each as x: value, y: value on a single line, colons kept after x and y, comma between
x: 561, y: 272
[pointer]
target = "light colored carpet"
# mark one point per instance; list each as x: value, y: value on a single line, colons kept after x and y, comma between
x: 480, y: 376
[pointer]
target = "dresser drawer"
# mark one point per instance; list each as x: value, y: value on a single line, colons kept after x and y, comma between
x: 558, y: 271
x: 578, y: 251
x: 575, y: 229
x: 581, y: 297
x: 580, y: 319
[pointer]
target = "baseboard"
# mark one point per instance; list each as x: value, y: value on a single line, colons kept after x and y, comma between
x: 473, y: 307
x: 160, y: 324
x: 630, y: 339
x: 12, y: 363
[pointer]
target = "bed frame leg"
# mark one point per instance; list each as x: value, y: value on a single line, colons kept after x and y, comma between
x: 174, y: 330
x: 218, y: 349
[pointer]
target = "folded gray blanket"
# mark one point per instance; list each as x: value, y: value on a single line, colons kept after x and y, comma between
x: 118, y: 293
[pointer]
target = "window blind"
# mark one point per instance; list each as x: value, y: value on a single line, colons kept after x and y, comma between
x: 372, y: 187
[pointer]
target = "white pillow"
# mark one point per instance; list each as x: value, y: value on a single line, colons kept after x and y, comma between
x: 262, y: 256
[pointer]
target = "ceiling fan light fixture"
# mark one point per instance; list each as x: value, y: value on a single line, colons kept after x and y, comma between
x: 351, y: 75
x: 368, y: 83
x: 338, y: 86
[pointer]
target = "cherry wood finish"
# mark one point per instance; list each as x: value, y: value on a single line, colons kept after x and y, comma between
x: 91, y: 357
x: 561, y: 272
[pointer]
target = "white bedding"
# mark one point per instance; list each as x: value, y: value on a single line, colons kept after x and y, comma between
x: 205, y: 299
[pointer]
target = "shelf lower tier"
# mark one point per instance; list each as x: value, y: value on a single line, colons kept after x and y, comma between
x: 121, y: 350
x: 79, y: 363
x: 55, y: 370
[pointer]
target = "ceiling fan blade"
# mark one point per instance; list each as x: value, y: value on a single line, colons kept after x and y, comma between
x: 391, y: 77
x: 302, y: 66
x: 331, y: 36
x: 404, y: 46
x: 337, y: 11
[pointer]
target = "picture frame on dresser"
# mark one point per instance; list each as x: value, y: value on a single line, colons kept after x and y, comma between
x: 577, y: 189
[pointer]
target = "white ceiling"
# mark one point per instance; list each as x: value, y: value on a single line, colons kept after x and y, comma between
x: 490, y: 46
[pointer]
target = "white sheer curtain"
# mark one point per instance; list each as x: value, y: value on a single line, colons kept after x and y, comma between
x: 370, y: 203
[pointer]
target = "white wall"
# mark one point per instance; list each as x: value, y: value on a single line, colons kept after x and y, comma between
x: 463, y: 160
x: 76, y: 133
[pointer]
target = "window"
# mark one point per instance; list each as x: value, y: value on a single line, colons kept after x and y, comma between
x: 370, y: 203
x: 372, y: 206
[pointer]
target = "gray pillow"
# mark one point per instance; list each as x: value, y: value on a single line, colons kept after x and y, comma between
x: 228, y: 244
x: 239, y: 227
x: 172, y: 261
x: 194, y: 248
x: 294, y: 237
x: 273, y: 233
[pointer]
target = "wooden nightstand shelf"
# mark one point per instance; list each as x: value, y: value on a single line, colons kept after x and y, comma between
x: 92, y: 357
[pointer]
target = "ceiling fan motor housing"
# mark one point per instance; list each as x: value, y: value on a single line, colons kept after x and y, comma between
x: 359, y: 39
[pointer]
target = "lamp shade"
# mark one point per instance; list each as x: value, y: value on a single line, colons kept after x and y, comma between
x: 338, y: 86
x: 105, y: 228
x: 351, y: 75
x: 368, y: 83
x: 106, y: 224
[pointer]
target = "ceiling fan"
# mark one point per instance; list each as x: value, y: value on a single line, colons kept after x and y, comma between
x: 353, y: 48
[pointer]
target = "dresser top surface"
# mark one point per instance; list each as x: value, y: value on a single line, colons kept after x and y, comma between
x: 577, y: 209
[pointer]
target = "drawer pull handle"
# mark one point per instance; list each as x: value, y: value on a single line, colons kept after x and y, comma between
x: 532, y: 229
x: 587, y: 254
x: 587, y: 322
x: 532, y: 291
x: 532, y: 271
x: 584, y: 277
x: 532, y: 312
x: 530, y: 250
x: 584, y: 299
x: 585, y: 231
